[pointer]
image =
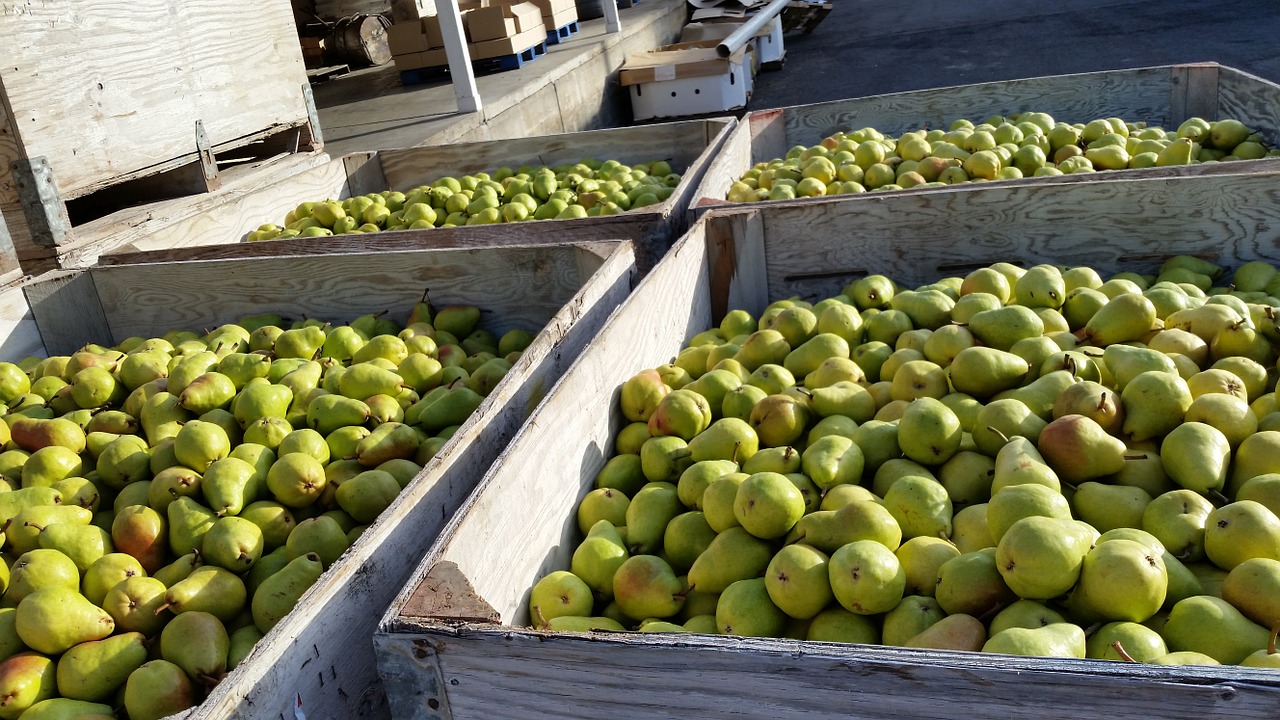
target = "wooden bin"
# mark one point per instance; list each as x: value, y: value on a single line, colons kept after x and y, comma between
x: 1165, y: 95
x: 456, y: 643
x: 107, y: 107
x: 689, y: 146
x: 321, y: 654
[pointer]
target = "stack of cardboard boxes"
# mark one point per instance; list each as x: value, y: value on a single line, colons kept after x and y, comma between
x: 494, y: 28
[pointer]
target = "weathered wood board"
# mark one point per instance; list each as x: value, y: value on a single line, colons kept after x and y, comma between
x: 456, y: 644
x: 322, y: 653
x: 158, y: 82
x: 215, y: 231
x: 1165, y: 95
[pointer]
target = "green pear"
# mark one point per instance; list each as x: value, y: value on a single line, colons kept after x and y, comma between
x: 1253, y: 587
x: 209, y: 589
x: 242, y: 641
x: 745, y: 608
x: 106, y: 572
x: 279, y: 593
x: 929, y: 431
x: 953, y: 632
x: 1255, y: 456
x: 1154, y: 404
x: 692, y: 484
x: 1126, y: 362
x: 598, y: 557
x: 1110, y: 506
x: 1016, y: 502
x: 797, y: 581
x: 559, y: 594
x: 686, y: 537
x: 1178, y: 519
x: 985, y: 371
x: 809, y: 356
x: 134, y: 604
x: 725, y: 439
x: 23, y: 532
x: 1124, y: 318
x: 53, y: 619
x: 1002, y: 327
x: 835, y: 624
x: 93, y: 671
x: 296, y: 480
x: 625, y: 472
x: 1093, y: 400
x: 26, y: 678
x: 1041, y: 557
x: 229, y: 485
x: 1025, y: 614
x: 641, y: 394
x: 909, y: 618
x: 779, y: 420
x: 327, y: 413
x: 198, y: 643
x: 188, y: 523
x: 1122, y: 580
x: 969, y: 529
x: 41, y: 568
x: 767, y: 505
x: 682, y: 413
x: 233, y: 543
x: 833, y: 460
x: 866, y: 577
x: 1213, y: 627
x: 156, y: 690
x: 602, y: 504
x: 321, y: 535
x: 718, y: 501
x: 1127, y: 641
x: 83, y: 544
x: 971, y: 584
x: 366, y: 495
x: 171, y: 483
x: 1002, y: 419
x: 1018, y: 462
x: 273, y: 519
x: 733, y: 555
x: 1057, y: 640
x: 780, y: 460
x: 921, y: 557
x: 50, y: 464
x: 1196, y: 456
x: 1240, y: 531
x: 10, y: 643
x: 648, y: 514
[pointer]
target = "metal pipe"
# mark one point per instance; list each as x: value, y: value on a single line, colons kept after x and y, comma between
x: 748, y: 30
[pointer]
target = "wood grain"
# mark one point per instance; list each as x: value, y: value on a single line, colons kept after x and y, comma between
x: 67, y: 310
x: 1251, y: 100
x: 130, y: 98
x: 487, y: 673
x: 19, y: 335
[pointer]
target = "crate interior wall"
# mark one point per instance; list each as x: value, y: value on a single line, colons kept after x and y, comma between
x: 455, y: 643
x: 97, y: 95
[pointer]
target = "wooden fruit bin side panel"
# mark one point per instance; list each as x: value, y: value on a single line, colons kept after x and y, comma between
x: 1165, y: 94
x: 9, y: 268
x: 487, y: 673
x: 323, y: 651
x: 129, y: 99
x: 691, y: 146
x: 433, y: 641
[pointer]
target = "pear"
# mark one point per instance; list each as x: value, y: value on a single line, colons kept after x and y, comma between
x: 198, y: 643
x: 1126, y: 317
x: 971, y: 584
x: 917, y: 379
x: 909, y: 618
x: 779, y: 420
x: 558, y: 594
x: 41, y: 568
x: 662, y: 459
x: 718, y: 500
x: 1122, y: 580
x: 929, y: 432
x: 648, y: 514
x: 1110, y: 506
x: 23, y: 531
x: 1240, y: 531
x: 1196, y: 456
x: 1259, y: 454
x: 199, y: 443
x: 279, y: 593
x: 921, y: 557
x: 728, y: 438
x: 273, y: 519
x: 242, y: 642
x: 1041, y: 557
x: 968, y: 478
x: 645, y: 586
x: 188, y: 523
x: 733, y: 555
x: 1019, y: 462
x: 767, y: 505
x: 209, y: 589
x: 1020, y: 501
x: 745, y: 608
x: 598, y: 557
x: 1178, y: 519
x: 603, y: 504
x: 686, y: 537
x: 1253, y: 587
x: 833, y: 460
x: 1125, y: 362
x: 797, y: 581
x: 232, y: 543
x: 920, y: 505
x: 1213, y: 627
x: 953, y: 632
x: 1002, y: 327
x: 1127, y: 641
x: 134, y: 603
x: 229, y: 485
x: 1093, y: 400
x: 26, y: 678
x: 83, y: 544
x: 1064, y: 640
x: 1078, y: 449
x: 984, y: 371
x: 835, y: 624
x: 296, y: 480
x: 322, y: 535
x: 53, y: 619
x: 1264, y: 489
x: 682, y: 413
x: 366, y: 495
x: 1025, y: 614
x: 866, y: 577
x: 807, y: 357
x: 93, y: 671
x: 1002, y: 419
x: 969, y: 529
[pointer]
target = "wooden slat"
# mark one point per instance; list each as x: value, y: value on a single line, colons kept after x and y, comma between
x: 522, y: 674
x: 323, y: 652
x: 67, y: 311
x: 1194, y: 92
x: 130, y: 99
x: 1251, y: 100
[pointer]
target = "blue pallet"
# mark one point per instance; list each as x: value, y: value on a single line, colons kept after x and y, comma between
x: 560, y: 34
x: 501, y: 63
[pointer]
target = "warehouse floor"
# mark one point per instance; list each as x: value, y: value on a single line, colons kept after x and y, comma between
x: 371, y: 110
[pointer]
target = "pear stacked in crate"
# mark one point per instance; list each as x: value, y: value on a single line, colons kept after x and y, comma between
x: 1032, y: 461
x: 1029, y: 144
x: 168, y: 500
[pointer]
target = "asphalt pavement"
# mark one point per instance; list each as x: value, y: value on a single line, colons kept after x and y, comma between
x: 869, y: 47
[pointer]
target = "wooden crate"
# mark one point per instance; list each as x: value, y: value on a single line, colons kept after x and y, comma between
x: 217, y: 230
x: 1165, y: 95
x: 322, y: 653
x: 455, y: 643
x: 104, y: 107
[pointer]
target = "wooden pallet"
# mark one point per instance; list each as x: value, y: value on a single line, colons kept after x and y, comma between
x: 484, y: 66
x: 803, y: 17
x: 563, y: 33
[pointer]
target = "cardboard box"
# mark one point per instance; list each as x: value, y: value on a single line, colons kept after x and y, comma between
x: 407, y: 37
x: 528, y: 17
x: 431, y: 25
x: 494, y: 20
x: 556, y: 7
x: 508, y: 45
x: 402, y: 10
x: 686, y: 79
x: 561, y: 18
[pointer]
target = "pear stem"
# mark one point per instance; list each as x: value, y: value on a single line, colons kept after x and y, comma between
x: 1124, y: 655
x: 1271, y: 644
x: 1135, y: 457
x: 543, y: 623
x: 1217, y: 496
x: 998, y: 434
x: 161, y: 609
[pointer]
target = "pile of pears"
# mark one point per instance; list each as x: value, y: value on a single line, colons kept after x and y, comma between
x: 588, y: 188
x: 1033, y: 462
x: 999, y: 148
x: 165, y: 502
